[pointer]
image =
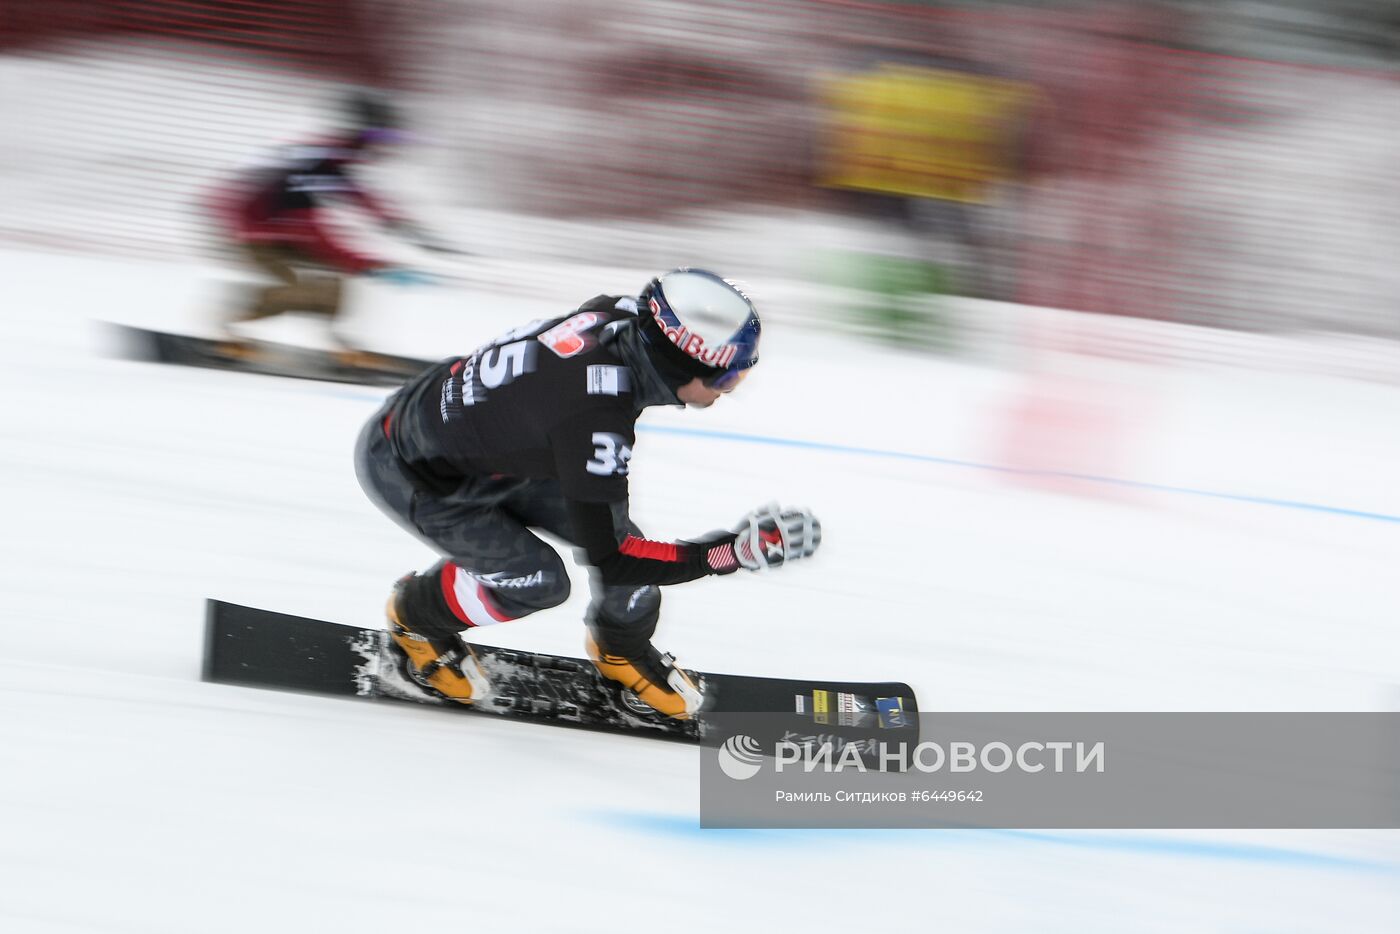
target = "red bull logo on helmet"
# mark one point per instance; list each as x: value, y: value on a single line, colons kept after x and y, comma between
x: 690, y: 343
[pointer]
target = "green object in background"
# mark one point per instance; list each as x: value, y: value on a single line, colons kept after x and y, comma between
x: 901, y: 301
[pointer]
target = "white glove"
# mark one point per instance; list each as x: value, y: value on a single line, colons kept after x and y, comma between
x: 772, y: 535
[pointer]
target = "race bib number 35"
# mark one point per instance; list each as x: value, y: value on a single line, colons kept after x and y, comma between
x: 610, y: 455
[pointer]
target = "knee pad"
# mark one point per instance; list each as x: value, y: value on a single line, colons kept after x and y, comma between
x: 483, y: 599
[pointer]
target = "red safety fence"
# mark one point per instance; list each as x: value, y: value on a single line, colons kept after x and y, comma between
x: 1088, y: 161
x: 334, y: 36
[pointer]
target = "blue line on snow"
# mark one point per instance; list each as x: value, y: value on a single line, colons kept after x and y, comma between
x: 673, y: 825
x: 954, y: 462
x: 975, y: 465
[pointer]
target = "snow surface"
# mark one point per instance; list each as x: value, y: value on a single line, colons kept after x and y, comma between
x: 1198, y: 539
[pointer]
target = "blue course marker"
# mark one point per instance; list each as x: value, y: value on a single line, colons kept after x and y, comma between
x: 975, y: 465
x: 673, y: 825
x: 966, y: 464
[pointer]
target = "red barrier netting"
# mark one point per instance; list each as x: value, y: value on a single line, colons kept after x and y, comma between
x: 334, y: 36
x: 1079, y: 160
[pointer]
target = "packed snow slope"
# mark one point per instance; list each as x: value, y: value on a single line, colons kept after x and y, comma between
x: 1227, y: 541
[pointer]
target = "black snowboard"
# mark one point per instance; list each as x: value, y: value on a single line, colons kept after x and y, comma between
x: 258, y: 648
x: 265, y: 358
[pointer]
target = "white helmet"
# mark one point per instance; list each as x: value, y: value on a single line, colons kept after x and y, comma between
x: 699, y: 324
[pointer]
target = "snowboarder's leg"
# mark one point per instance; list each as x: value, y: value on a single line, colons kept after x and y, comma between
x: 293, y: 288
x: 621, y: 622
x: 495, y: 569
x: 621, y: 619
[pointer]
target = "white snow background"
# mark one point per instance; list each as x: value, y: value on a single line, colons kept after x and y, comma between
x: 1229, y: 541
x: 134, y: 798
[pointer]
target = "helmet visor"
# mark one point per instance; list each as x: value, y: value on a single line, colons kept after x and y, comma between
x: 728, y: 379
x: 710, y: 323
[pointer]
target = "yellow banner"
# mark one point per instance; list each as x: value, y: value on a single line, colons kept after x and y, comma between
x: 926, y: 132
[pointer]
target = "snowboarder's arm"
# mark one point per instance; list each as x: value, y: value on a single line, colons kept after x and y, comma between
x: 626, y: 559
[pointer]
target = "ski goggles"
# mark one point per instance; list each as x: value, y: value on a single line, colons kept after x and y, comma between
x: 742, y: 354
x: 732, y: 377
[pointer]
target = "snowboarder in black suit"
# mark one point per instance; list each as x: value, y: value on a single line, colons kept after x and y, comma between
x: 536, y: 430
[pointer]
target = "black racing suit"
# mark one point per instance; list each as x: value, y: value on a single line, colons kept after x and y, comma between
x: 535, y: 430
